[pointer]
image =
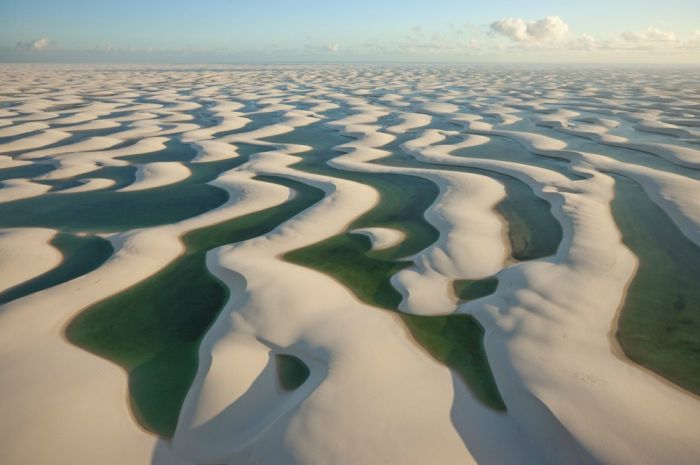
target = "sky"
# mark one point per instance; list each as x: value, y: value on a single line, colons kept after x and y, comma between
x: 461, y: 31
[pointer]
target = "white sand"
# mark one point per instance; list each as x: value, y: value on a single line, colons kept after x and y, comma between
x: 47, y: 137
x: 91, y: 144
x: 21, y: 128
x: 410, y: 121
x: 373, y: 396
x: 27, y: 253
x: 151, y: 175
x: 16, y: 189
x: 89, y: 184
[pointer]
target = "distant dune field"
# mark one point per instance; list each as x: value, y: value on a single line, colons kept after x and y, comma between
x: 349, y: 264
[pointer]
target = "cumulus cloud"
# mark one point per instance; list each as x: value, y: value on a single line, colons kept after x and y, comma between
x: 37, y: 44
x: 549, y: 29
x: 552, y: 33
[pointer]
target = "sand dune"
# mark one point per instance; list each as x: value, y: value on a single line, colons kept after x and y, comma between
x: 47, y: 137
x: 87, y: 185
x: 157, y: 174
x: 15, y: 189
x: 27, y: 253
x: 372, y: 394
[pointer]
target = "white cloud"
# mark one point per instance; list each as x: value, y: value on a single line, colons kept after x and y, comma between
x: 552, y: 33
x: 694, y: 42
x: 650, y: 38
x: 650, y: 35
x: 584, y: 42
x: 549, y: 29
x: 37, y: 44
x: 331, y: 47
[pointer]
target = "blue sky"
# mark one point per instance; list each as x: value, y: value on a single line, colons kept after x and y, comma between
x: 359, y: 30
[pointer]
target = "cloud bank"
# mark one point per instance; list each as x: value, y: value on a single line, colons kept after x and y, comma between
x: 552, y: 33
x: 549, y: 29
x: 507, y: 39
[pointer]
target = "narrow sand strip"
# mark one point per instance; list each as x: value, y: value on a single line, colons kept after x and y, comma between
x: 27, y: 253
x: 151, y: 175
